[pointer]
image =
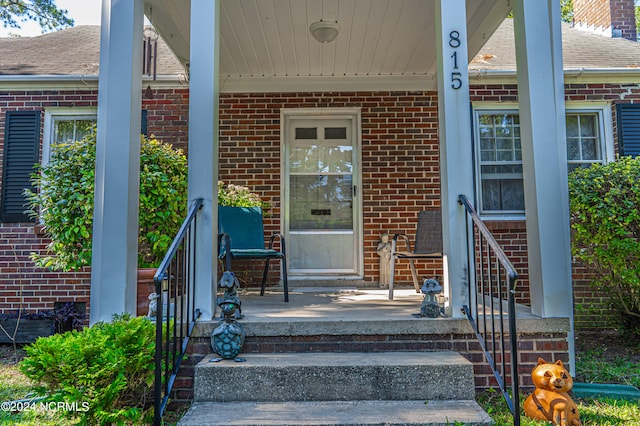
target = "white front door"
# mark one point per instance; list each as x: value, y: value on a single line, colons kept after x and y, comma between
x: 322, y: 222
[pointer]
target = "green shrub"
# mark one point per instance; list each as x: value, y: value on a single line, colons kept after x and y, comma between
x: 106, y: 369
x: 605, y: 223
x: 63, y: 201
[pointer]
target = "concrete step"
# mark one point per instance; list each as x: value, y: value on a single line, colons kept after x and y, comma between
x: 287, y: 377
x: 336, y: 413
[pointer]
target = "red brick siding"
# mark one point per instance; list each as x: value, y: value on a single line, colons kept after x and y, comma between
x: 605, y: 14
x: 400, y: 167
x: 400, y: 170
x: 33, y: 289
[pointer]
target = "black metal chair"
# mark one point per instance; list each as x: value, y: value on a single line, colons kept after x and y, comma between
x: 241, y: 236
x: 428, y: 245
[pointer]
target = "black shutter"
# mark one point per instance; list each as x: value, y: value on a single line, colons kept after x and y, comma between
x: 143, y: 124
x: 21, y: 148
x: 628, y: 129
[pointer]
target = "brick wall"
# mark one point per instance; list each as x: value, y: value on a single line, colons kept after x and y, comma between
x: 33, y: 289
x: 606, y: 15
x: 400, y: 171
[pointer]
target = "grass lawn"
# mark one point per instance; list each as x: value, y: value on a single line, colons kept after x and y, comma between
x: 601, y: 357
x: 15, y: 386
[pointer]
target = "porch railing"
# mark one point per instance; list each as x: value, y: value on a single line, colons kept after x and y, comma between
x: 492, y: 289
x: 176, y: 313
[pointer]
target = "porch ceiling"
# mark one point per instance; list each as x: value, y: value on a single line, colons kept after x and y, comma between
x: 386, y: 42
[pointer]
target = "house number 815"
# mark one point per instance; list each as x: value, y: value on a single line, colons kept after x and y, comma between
x: 456, y: 76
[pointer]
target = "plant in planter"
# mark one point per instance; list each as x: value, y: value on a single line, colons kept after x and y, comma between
x: 26, y: 327
x: 239, y: 196
x: 64, y: 195
x: 232, y: 195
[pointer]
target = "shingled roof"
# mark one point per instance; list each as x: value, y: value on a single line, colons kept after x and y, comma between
x: 580, y: 49
x: 73, y: 51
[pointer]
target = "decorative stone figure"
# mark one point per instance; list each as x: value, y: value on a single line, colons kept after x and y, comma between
x: 430, y: 307
x: 229, y: 283
x: 153, y: 306
x: 550, y: 401
x: 228, y: 337
x: 384, y: 251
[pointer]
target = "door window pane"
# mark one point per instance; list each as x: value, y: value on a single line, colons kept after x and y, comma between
x: 306, y: 133
x: 324, y: 159
x: 321, y: 202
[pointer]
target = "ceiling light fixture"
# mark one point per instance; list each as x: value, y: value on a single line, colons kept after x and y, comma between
x: 325, y: 31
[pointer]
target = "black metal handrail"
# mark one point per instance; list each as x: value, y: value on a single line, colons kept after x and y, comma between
x: 176, y: 314
x: 494, y: 284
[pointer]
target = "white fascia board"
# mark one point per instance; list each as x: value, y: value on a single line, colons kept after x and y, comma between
x: 76, y: 82
x: 571, y: 75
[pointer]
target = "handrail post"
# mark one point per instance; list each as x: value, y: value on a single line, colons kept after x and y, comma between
x: 176, y: 269
x: 492, y: 276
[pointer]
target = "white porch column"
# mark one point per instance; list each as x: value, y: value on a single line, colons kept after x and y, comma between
x: 203, y: 144
x: 115, y: 228
x: 544, y: 155
x: 456, y: 151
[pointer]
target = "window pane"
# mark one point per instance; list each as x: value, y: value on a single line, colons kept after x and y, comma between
x: 587, y: 126
x: 583, y: 139
x: 306, y: 133
x: 486, y: 132
x: 589, y: 149
x: 70, y: 130
x: 573, y: 131
x: 321, y: 202
x: 64, y: 131
x: 573, y: 149
x: 502, y: 194
x: 84, y: 128
x: 321, y: 158
x: 501, y: 163
x: 335, y: 133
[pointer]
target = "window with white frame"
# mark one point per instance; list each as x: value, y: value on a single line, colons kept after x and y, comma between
x: 500, y: 162
x: 65, y: 126
x: 584, y: 141
x: 499, y: 178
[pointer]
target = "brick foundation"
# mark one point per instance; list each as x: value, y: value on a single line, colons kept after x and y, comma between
x: 550, y: 346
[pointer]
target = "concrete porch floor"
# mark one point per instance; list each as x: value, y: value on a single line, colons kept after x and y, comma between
x: 350, y: 310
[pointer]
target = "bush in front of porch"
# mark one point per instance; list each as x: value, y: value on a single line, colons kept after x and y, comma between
x: 605, y: 224
x: 64, y: 196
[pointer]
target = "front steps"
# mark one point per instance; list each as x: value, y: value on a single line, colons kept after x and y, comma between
x: 383, y: 388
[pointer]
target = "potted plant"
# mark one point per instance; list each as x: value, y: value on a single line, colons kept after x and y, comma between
x: 63, y: 198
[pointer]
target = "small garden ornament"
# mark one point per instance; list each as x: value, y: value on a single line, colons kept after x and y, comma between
x: 550, y: 400
x: 430, y: 307
x: 228, y: 337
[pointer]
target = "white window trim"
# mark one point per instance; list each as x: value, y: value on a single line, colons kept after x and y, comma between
x: 51, y: 115
x: 606, y: 122
x: 602, y: 108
